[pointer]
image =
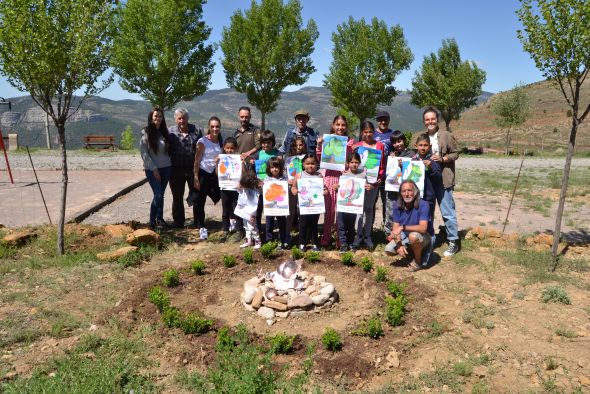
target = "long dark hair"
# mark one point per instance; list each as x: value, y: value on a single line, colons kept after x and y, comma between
x: 220, y: 138
x: 249, y: 180
x: 292, y: 147
x: 153, y: 134
x: 276, y: 161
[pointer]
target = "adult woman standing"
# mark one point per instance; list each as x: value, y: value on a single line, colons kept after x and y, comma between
x: 206, y: 183
x: 153, y: 147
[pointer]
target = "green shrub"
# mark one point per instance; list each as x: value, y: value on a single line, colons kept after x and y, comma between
x: 381, y: 274
x: 395, y: 309
x: 331, y: 340
x: 171, y: 278
x: 229, y: 261
x: 159, y: 298
x: 348, y: 259
x: 224, y: 339
x: 281, y: 343
x: 312, y: 257
x: 248, y: 256
x: 198, y: 267
x: 395, y: 289
x: 366, y: 264
x: 555, y: 294
x: 268, y: 249
x: 127, y: 139
x: 369, y: 328
x: 463, y: 368
x: 171, y: 317
x: 296, y: 253
x: 193, y: 324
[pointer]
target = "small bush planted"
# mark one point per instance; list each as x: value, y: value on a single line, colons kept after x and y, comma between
x: 395, y: 309
x: 348, y: 259
x: 366, y: 264
x: 396, y: 289
x: 369, y: 328
x: 248, y: 256
x: 296, y: 253
x: 171, y: 317
x: 381, y: 274
x: 171, y: 278
x: 281, y: 343
x: 312, y: 257
x: 229, y: 261
x: 268, y: 249
x: 198, y: 267
x: 159, y: 298
x: 193, y: 324
x: 555, y: 294
x: 331, y: 340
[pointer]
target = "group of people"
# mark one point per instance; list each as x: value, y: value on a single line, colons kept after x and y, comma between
x: 184, y: 155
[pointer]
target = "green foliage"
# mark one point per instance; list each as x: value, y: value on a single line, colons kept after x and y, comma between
x: 395, y: 310
x: 564, y: 332
x: 396, y: 290
x: 281, y: 343
x: 127, y: 139
x: 312, y: 256
x: 194, y: 324
x: 555, y: 294
x: 171, y: 278
x: 249, y: 256
x: 435, y: 329
x: 268, y: 249
x: 381, y: 274
x: 348, y: 259
x: 265, y: 49
x: 366, y: 60
x: 511, y: 108
x: 159, y: 298
x: 331, y: 340
x: 296, y: 253
x: 163, y: 62
x: 369, y: 328
x: 141, y: 254
x: 477, y: 315
x: 366, y: 264
x: 198, y: 267
x: 229, y: 261
x: 172, y: 317
x: 446, y: 82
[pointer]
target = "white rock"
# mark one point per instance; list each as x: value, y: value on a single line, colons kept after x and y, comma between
x: 319, y: 279
x: 249, y: 308
x: 266, y: 312
x: 253, y: 282
x: 270, y: 322
x: 328, y: 290
x: 282, y: 314
x: 248, y: 294
x: 320, y: 299
x: 93, y: 327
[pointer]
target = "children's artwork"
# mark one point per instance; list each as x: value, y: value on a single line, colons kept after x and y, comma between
x: 275, y: 198
x: 415, y: 171
x: 229, y: 171
x: 393, y: 174
x: 260, y: 166
x: 247, y: 203
x: 311, y: 196
x: 351, y: 195
x: 293, y: 166
x: 371, y: 160
x: 334, y: 152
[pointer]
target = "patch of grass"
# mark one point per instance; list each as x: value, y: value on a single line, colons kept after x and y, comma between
x: 159, y: 298
x: 551, y: 364
x: 555, y: 294
x: 442, y: 376
x: 435, y: 329
x: 296, y: 253
x: 198, y: 267
x: 331, y: 340
x: 480, y: 387
x: 535, y: 265
x: 229, y: 261
x: 381, y: 274
x: 268, y: 249
x: 464, y: 259
x: 477, y: 314
x: 171, y: 278
x: 370, y: 327
x: 138, y: 256
x: 281, y: 343
x: 194, y: 324
x: 366, y: 264
x: 7, y: 251
x: 248, y: 256
x: 347, y: 259
x: 463, y: 368
x: 312, y: 256
x: 564, y: 332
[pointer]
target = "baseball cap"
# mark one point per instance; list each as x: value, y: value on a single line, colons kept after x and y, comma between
x: 382, y: 114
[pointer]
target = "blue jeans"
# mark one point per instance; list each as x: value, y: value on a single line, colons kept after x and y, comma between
x: 346, y: 228
x: 446, y: 203
x: 158, y: 188
x: 284, y: 237
x: 364, y: 221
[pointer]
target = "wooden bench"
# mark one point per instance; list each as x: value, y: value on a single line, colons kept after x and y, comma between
x: 96, y: 141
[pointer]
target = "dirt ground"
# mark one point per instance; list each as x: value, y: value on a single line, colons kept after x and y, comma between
x: 474, y: 322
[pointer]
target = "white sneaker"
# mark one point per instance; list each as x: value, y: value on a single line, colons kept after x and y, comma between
x: 452, y: 249
x: 232, y: 224
x: 203, y: 233
x: 246, y: 243
x: 257, y: 245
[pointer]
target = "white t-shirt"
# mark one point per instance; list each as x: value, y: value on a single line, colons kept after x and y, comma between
x: 212, y: 150
x: 434, y: 144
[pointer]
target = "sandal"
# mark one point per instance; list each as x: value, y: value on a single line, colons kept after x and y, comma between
x: 413, y: 267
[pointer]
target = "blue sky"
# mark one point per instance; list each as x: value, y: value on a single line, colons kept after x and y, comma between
x: 484, y: 30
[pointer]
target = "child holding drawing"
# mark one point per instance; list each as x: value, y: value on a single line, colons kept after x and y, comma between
x: 229, y: 198
x: 433, y: 170
x: 331, y: 177
x: 308, y: 223
x: 246, y: 208
x: 298, y: 149
x: 275, y: 171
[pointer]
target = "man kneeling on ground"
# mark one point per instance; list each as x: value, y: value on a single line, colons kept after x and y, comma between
x: 410, y: 227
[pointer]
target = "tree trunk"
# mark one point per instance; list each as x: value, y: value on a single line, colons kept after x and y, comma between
x: 64, y: 189
x: 447, y: 123
x: 262, y: 120
x: 508, y: 140
x: 566, y: 174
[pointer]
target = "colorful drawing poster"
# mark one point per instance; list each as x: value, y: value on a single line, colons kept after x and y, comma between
x: 260, y: 166
x: 371, y: 160
x: 293, y: 166
x: 247, y: 203
x: 393, y: 174
x: 415, y: 171
x: 275, y: 198
x: 229, y: 171
x: 311, y: 196
x: 351, y: 195
x: 334, y: 152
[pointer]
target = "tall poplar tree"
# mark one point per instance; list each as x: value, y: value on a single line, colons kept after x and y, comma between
x: 51, y: 49
x: 557, y: 36
x: 265, y: 49
x: 160, y: 50
x: 448, y: 83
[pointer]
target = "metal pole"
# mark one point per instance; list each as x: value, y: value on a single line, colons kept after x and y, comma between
x: 513, y: 192
x: 39, y: 185
x: 6, y: 157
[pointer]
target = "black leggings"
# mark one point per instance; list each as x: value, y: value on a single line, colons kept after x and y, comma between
x: 229, y: 200
x: 308, y: 229
x: 209, y: 186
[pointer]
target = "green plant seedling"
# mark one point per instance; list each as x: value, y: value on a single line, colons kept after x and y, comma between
x: 159, y: 298
x: 395, y: 309
x: 229, y: 261
x: 171, y: 278
x: 198, y: 267
x: 249, y: 256
x: 312, y: 256
x: 396, y: 289
x: 268, y: 249
x: 281, y: 343
x: 171, y: 317
x: 366, y: 264
x: 296, y: 253
x: 369, y: 328
x: 555, y: 294
x: 381, y: 274
x: 331, y: 340
x: 348, y: 259
x: 193, y: 324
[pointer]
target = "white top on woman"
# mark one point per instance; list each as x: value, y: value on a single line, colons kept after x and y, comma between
x: 212, y: 150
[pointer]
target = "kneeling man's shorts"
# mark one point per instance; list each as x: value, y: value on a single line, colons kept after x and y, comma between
x: 424, y: 239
